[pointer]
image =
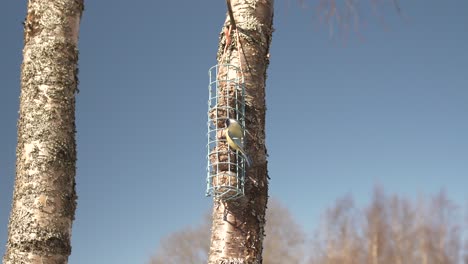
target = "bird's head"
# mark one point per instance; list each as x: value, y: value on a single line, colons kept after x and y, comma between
x: 230, y: 121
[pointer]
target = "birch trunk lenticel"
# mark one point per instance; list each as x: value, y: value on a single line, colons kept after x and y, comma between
x: 238, y: 225
x: 44, y: 198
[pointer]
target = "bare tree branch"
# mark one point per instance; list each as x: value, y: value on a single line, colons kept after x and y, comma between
x: 345, y: 16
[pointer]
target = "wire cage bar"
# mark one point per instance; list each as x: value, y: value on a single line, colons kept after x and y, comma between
x: 225, y: 167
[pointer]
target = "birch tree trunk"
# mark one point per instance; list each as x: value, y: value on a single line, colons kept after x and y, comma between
x: 44, y: 198
x: 238, y: 225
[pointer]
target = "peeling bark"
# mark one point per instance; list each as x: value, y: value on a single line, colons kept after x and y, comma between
x: 44, y: 198
x: 238, y: 225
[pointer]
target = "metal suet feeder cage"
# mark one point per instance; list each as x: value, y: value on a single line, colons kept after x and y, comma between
x: 225, y: 167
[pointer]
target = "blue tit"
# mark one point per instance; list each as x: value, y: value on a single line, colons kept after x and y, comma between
x: 234, y: 134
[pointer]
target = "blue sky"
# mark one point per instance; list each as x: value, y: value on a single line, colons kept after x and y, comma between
x: 390, y: 109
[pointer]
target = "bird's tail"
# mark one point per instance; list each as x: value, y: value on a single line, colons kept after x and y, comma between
x: 247, y: 158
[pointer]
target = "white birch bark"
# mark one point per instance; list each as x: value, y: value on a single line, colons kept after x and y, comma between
x: 238, y: 225
x: 44, y: 198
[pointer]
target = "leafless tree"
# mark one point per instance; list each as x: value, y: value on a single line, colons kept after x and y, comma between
x: 339, y: 237
x: 402, y: 231
x: 438, y: 231
x: 189, y: 245
x: 391, y: 230
x: 376, y: 228
x: 284, y: 241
